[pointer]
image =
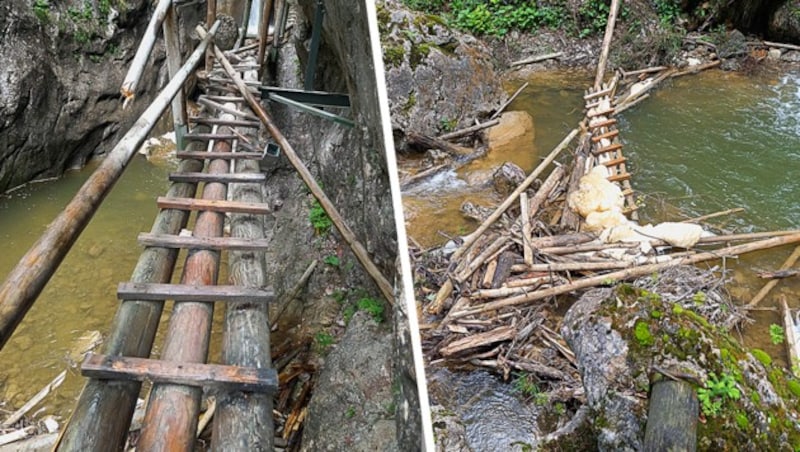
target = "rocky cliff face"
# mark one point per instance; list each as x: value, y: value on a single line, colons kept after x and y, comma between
x: 59, y: 82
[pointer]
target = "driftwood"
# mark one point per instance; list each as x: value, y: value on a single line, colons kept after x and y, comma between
x: 696, y: 69
x: 503, y: 333
x: 713, y: 215
x: 508, y: 102
x: 308, y: 179
x: 778, y: 274
x: 672, y: 417
x: 425, y: 142
x: 628, y: 274
x: 17, y: 415
x: 469, y: 130
x: 781, y: 45
x: 643, y: 71
x: 790, y: 261
x: 537, y: 59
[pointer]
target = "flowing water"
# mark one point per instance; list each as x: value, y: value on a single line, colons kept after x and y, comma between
x: 700, y: 144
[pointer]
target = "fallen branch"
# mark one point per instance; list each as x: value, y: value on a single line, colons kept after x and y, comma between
x: 781, y: 46
x: 537, y: 59
x: 790, y: 261
x: 425, y: 142
x: 508, y: 102
x: 713, y: 215
x: 792, y: 344
x: 17, y: 415
x: 503, y: 333
x: 780, y: 274
x: 469, y: 130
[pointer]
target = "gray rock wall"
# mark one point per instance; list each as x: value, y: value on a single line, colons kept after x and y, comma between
x: 59, y: 83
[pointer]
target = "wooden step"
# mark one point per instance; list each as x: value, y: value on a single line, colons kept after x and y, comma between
x: 599, y: 93
x: 627, y: 192
x: 214, y: 376
x: 605, y: 112
x: 222, y: 178
x: 212, y: 205
x: 187, y: 292
x: 225, y: 122
x: 200, y: 155
x: 609, y: 134
x: 610, y: 148
x: 603, y: 123
x: 615, y: 162
x: 202, y: 243
x: 209, y: 136
x: 619, y: 177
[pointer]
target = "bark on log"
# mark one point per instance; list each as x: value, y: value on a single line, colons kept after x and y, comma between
x: 672, y: 417
x: 503, y: 333
x: 537, y: 59
x: 128, y: 89
x: 244, y: 420
x: 508, y: 102
x: 308, y: 179
x: 504, y: 263
x: 469, y: 130
x: 28, y: 278
x: 170, y: 422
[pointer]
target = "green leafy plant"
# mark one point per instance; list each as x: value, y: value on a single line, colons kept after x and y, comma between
x: 351, y: 412
x: 776, y: 334
x: 699, y: 297
x: 716, y: 392
x: 372, y: 306
x: 41, y: 9
x: 323, y: 340
x: 319, y: 219
x: 528, y: 388
x: 331, y: 260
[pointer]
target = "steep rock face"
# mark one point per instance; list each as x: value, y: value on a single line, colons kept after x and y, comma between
x: 59, y: 83
x: 785, y: 23
x: 351, y: 165
x: 437, y: 79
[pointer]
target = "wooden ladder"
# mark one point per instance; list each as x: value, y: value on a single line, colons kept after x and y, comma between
x: 606, y: 147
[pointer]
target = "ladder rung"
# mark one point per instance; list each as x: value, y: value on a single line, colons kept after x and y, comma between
x: 202, y: 243
x: 600, y: 93
x: 200, y: 155
x: 215, y: 376
x: 615, y: 162
x: 188, y: 292
x: 225, y: 122
x: 627, y: 192
x: 619, y: 177
x: 213, y: 205
x: 609, y: 134
x: 610, y: 148
x: 223, y: 178
x: 603, y: 123
x: 605, y: 112
x: 209, y: 136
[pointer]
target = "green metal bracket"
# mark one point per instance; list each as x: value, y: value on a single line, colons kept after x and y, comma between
x: 315, y: 98
x: 312, y: 110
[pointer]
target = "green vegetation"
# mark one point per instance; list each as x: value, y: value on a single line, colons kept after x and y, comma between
x: 524, y: 384
x: 323, y: 340
x: 393, y: 55
x: 373, y: 307
x: 761, y: 356
x: 642, y: 333
x: 669, y: 11
x: 351, y: 411
x: 41, y: 9
x: 448, y: 125
x: 776, y: 334
x: 319, y: 219
x: 716, y: 392
x: 331, y: 260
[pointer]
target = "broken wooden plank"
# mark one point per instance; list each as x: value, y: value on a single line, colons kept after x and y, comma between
x: 212, y: 205
x: 611, y: 148
x: 790, y: 330
x: 202, y: 243
x: 221, y: 178
x: 225, y: 122
x: 209, y: 137
x: 189, y: 292
x: 790, y: 261
x: 216, y: 376
x: 503, y: 333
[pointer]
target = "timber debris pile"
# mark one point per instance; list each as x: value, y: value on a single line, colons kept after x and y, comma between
x: 495, y: 297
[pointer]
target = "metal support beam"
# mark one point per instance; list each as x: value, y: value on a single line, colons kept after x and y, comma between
x: 312, y: 110
x: 316, y: 35
x: 314, y: 98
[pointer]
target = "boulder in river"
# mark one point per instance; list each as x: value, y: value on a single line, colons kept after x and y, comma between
x: 514, y: 133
